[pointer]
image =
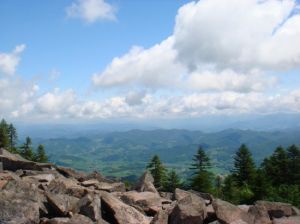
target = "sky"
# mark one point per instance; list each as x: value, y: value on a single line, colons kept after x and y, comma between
x: 87, y: 60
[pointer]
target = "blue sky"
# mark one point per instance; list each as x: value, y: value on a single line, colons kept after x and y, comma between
x: 102, y: 59
x: 55, y: 42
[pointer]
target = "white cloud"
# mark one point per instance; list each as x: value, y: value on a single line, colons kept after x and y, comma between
x: 153, y: 68
x: 10, y: 61
x: 91, y: 10
x: 238, y: 34
x: 229, y: 80
x: 216, y: 46
x: 56, y: 102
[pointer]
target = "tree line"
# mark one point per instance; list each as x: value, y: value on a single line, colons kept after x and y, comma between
x: 9, y: 141
x: 277, y: 178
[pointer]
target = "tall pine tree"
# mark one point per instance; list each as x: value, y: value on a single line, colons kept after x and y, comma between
x: 158, y: 171
x: 173, y: 181
x: 244, y: 167
x: 41, y: 155
x: 13, y: 137
x: 26, y: 150
x: 202, y: 177
x: 4, y: 138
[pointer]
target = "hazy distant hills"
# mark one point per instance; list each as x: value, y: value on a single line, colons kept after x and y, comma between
x: 214, y: 123
x: 126, y: 153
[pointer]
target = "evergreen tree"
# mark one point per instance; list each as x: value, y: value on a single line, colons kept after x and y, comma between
x: 293, y: 154
x: 276, y: 167
x: 218, y: 187
x: 13, y: 137
x: 244, y: 167
x: 262, y: 187
x: 41, y: 155
x: 26, y: 150
x: 202, y: 177
x: 173, y: 181
x: 4, y: 138
x: 230, y: 190
x: 158, y: 171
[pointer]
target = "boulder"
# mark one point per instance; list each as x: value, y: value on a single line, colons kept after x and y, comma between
x: 115, y: 211
x: 161, y: 217
x: 94, y: 175
x: 67, y: 186
x: 91, y: 182
x: 296, y: 211
x: 70, y: 173
x: 40, y: 178
x: 276, y: 209
x: 76, y: 219
x: 1, y: 166
x: 287, y: 220
x: 111, y: 187
x: 90, y: 206
x: 148, y: 202
x: 19, y: 203
x: 190, y: 208
x: 260, y: 214
x: 228, y: 213
x: 61, y: 205
x: 166, y: 195
x: 145, y: 183
x: 205, y: 196
x: 15, y: 162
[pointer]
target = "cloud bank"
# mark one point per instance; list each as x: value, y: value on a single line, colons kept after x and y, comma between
x: 223, y: 57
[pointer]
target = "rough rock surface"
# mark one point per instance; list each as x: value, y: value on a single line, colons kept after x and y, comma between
x: 146, y: 183
x: 190, y: 208
x: 229, y: 213
x: 118, y: 212
x: 35, y: 193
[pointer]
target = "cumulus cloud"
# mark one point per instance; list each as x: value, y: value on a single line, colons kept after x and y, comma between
x: 153, y: 68
x: 91, y: 10
x: 236, y: 33
x: 10, y: 61
x: 229, y: 80
x: 215, y: 46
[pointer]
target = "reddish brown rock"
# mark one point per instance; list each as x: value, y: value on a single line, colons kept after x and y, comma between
x: 145, y: 183
x: 190, y: 208
x: 149, y: 202
x: 229, y: 213
x: 90, y: 206
x: 115, y: 211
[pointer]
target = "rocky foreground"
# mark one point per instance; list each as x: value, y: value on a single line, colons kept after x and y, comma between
x: 47, y: 194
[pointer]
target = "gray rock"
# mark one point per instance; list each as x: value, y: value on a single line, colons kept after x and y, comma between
x: 61, y: 205
x: 228, y: 213
x: 148, y: 202
x: 190, y: 208
x: 90, y: 206
x: 115, y: 211
x: 145, y: 183
x: 276, y: 209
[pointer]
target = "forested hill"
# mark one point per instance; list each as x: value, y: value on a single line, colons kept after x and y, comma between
x: 127, y: 153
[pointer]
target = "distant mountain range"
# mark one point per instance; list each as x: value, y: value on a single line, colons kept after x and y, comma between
x: 216, y: 123
x: 126, y: 153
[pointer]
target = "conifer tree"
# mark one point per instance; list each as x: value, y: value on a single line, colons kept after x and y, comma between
x: 293, y: 154
x: 4, y: 139
x: 41, y: 155
x: 13, y: 137
x: 276, y: 167
x: 26, y: 150
x: 202, y: 177
x: 230, y: 190
x: 173, y: 181
x: 244, y: 167
x: 158, y: 171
